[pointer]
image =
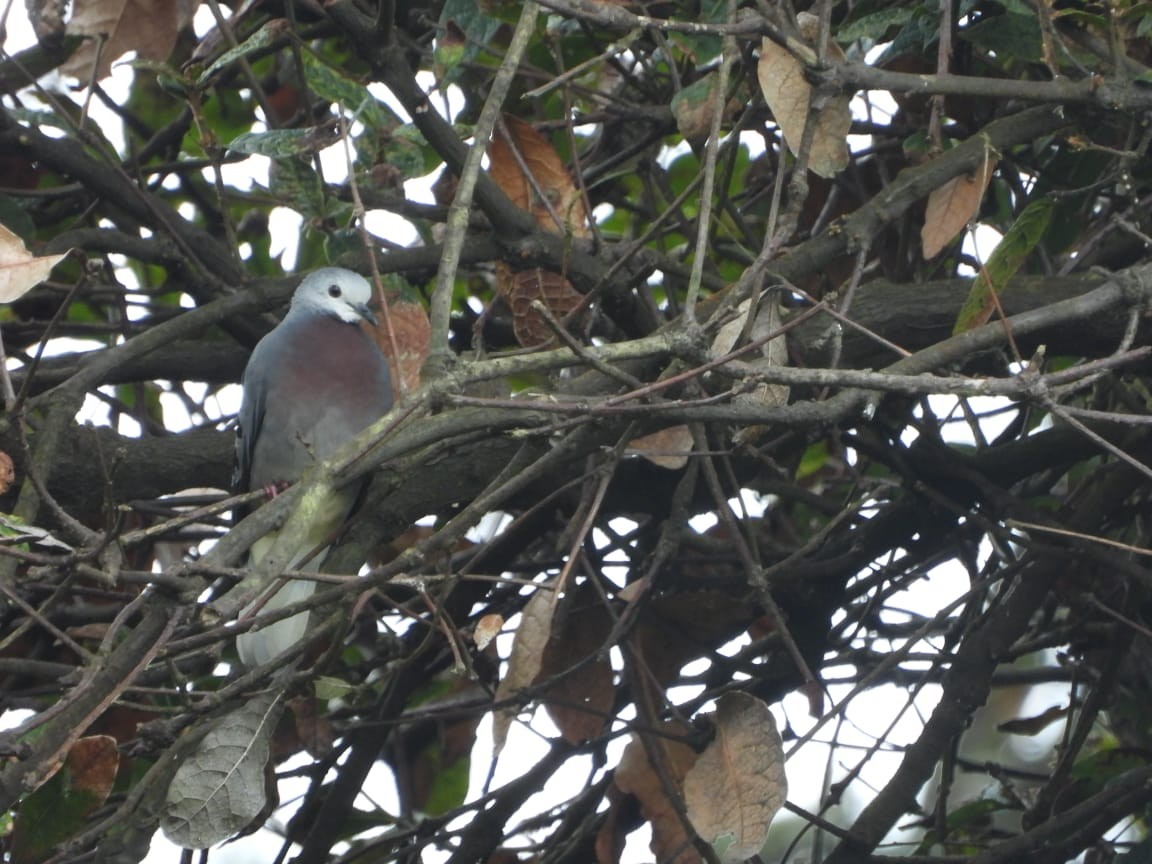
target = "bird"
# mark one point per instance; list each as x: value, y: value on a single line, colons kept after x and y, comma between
x: 310, y: 386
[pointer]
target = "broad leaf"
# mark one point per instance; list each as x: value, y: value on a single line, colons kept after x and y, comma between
x: 1003, y: 263
x: 20, y: 270
x: 219, y: 789
x: 789, y: 95
x: 738, y: 784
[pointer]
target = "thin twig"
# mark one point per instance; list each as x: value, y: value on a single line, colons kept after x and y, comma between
x: 440, y: 313
x: 711, y: 149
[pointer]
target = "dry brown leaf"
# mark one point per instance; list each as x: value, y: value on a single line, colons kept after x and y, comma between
x: 7, y: 472
x: 952, y: 206
x: 92, y: 765
x: 581, y: 701
x: 525, y: 660
x: 772, y: 353
x: 636, y: 776
x: 695, y: 106
x: 406, y: 346
x: 47, y: 19
x: 516, y: 146
x: 95, y: 631
x: 122, y: 723
x: 148, y: 27
x: 526, y: 166
x: 312, y: 729
x: 668, y: 448
x: 789, y: 95
x: 613, y: 833
x: 633, y: 591
x: 487, y: 629
x: 521, y: 289
x: 737, y: 785
x: 20, y: 270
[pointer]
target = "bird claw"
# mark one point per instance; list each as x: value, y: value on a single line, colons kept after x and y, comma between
x: 274, y: 489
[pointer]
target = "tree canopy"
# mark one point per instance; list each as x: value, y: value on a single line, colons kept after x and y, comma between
x: 772, y: 394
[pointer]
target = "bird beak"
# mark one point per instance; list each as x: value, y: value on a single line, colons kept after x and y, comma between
x: 367, y: 314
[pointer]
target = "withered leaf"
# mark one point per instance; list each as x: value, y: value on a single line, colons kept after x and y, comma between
x: 789, y: 95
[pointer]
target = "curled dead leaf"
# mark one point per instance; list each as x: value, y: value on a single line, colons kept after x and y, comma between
x: 526, y: 287
x: 20, y: 270
x: 636, y: 776
x: 580, y: 701
x: 695, y: 106
x: 403, y: 335
x: 312, y: 729
x: 221, y: 788
x: 487, y: 629
x: 952, y: 206
x: 789, y: 95
x: 529, y: 170
x: 525, y: 660
x: 92, y: 765
x: 737, y: 785
x: 148, y: 27
x: 7, y: 472
x: 773, y: 352
x: 668, y: 448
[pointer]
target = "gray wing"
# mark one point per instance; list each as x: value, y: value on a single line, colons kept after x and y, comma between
x: 251, y: 418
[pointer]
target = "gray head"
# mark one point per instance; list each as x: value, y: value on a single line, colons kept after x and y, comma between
x: 334, y: 291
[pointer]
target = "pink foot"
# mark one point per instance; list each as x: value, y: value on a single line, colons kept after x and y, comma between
x: 274, y: 489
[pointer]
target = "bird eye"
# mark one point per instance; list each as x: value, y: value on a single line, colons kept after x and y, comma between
x: 333, y: 290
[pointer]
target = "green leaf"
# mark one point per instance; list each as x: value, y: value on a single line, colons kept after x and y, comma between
x: 13, y: 527
x: 15, y: 217
x: 97, y: 142
x: 142, y: 399
x: 297, y: 185
x: 464, y: 30
x: 683, y: 171
x: 225, y: 116
x: 277, y: 28
x: 329, y: 84
x: 49, y: 816
x: 1003, y: 263
x: 967, y: 821
x: 1008, y: 36
x: 1082, y: 17
x: 450, y: 784
x: 328, y: 687
x: 344, y: 244
x: 402, y: 149
x: 294, y: 182
x: 918, y: 35
x: 814, y: 458
x: 40, y: 119
x: 694, y: 106
x: 702, y: 49
x: 874, y: 26
x: 281, y: 143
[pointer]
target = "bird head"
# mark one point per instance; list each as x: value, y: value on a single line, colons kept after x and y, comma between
x: 337, y: 292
